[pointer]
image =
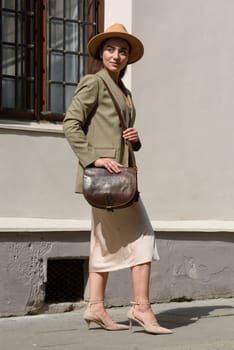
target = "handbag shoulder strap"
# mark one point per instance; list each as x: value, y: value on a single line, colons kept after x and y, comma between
x: 122, y: 121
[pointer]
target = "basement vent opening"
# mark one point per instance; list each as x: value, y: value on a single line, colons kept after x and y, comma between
x: 65, y: 280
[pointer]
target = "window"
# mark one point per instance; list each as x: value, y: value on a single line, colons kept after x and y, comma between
x: 43, y: 54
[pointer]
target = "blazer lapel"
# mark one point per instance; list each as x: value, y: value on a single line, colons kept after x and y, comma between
x: 115, y: 91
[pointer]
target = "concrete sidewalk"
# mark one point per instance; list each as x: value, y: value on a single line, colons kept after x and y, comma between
x: 197, y: 325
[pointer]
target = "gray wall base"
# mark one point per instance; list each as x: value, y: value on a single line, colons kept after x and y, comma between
x: 193, y: 265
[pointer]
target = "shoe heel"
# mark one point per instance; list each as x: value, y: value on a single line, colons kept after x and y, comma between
x: 130, y: 323
x: 88, y: 323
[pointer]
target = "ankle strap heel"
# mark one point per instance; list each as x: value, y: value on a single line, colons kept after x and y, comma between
x: 142, y: 318
x: 100, y: 317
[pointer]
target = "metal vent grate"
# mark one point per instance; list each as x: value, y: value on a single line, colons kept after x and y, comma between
x: 65, y: 280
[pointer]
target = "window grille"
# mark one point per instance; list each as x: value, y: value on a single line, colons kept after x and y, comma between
x: 43, y: 54
x: 17, y: 47
x: 69, y: 30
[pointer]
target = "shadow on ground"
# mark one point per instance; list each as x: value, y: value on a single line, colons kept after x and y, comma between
x: 184, y: 316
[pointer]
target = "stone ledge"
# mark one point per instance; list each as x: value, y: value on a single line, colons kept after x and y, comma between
x: 194, y: 226
x: 13, y: 224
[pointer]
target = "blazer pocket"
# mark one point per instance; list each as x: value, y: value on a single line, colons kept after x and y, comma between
x: 103, y: 152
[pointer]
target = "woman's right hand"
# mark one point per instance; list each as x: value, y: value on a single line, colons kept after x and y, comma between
x: 110, y: 164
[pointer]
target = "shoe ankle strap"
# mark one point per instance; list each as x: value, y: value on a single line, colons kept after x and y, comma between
x: 92, y: 302
x: 143, y: 302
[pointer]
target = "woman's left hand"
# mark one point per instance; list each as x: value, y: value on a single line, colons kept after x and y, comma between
x: 131, y: 134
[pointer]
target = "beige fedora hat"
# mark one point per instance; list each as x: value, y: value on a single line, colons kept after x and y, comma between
x: 117, y: 30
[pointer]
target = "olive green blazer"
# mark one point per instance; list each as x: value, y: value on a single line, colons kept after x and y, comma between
x: 92, y: 126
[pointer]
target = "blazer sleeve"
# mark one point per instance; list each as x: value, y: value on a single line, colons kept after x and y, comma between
x: 83, y: 104
x: 135, y: 145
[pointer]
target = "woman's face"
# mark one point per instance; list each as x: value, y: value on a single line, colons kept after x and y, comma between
x: 115, y: 53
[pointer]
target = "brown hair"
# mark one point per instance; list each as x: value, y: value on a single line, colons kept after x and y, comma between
x: 95, y: 65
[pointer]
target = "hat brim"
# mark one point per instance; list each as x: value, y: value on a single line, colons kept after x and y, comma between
x: 136, y: 46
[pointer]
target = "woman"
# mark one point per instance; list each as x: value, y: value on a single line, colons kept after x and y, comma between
x: 123, y: 238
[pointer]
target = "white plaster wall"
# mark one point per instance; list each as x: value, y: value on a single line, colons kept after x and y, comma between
x: 183, y: 90
x: 37, y: 172
x: 120, y: 12
x: 183, y: 94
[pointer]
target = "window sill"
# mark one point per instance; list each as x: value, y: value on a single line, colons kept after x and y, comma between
x: 31, y: 126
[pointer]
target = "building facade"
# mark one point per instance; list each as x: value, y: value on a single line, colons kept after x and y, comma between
x: 183, y: 96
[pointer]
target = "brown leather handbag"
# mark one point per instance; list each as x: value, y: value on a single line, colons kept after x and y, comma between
x: 112, y: 191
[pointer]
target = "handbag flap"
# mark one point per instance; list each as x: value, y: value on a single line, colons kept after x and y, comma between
x: 110, y: 191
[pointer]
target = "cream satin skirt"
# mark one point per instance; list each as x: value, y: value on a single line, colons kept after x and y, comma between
x: 121, y: 238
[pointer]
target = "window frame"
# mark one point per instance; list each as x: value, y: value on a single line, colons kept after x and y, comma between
x: 41, y: 58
